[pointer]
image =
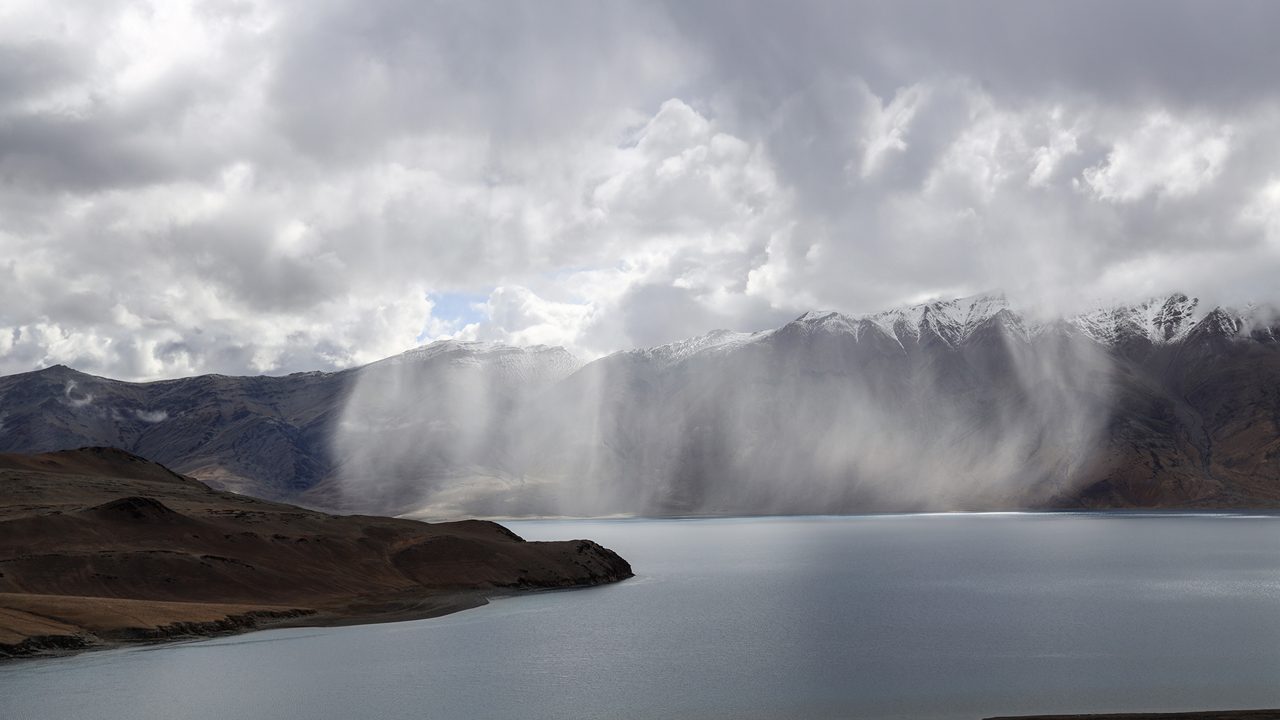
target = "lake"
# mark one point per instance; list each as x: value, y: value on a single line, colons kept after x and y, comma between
x: 903, y: 616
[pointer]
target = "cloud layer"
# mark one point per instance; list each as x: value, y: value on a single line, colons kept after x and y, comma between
x: 195, y: 187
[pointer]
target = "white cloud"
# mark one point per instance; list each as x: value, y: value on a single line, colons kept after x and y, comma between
x: 242, y: 188
x: 1166, y: 156
x: 1262, y: 211
x: 1000, y: 145
x: 1059, y: 143
x: 519, y: 316
x: 682, y: 176
x: 887, y: 125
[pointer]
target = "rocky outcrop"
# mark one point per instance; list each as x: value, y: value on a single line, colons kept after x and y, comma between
x: 46, y: 645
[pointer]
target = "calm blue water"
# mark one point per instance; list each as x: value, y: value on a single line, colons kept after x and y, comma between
x: 955, y: 616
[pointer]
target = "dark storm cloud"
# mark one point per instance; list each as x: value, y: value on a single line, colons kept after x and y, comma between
x: 352, y: 77
x: 75, y: 155
x: 28, y: 69
x: 1189, y: 53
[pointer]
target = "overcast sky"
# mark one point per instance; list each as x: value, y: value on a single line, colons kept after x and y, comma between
x: 244, y: 187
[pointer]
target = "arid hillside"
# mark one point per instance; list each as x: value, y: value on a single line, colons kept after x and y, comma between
x: 98, y: 544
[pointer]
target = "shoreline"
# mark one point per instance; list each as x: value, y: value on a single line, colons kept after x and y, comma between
x: 1267, y: 512
x: 1193, y: 715
x: 244, y: 619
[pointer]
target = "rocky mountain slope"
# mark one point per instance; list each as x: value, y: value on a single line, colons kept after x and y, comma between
x: 957, y: 404
x: 98, y: 544
x: 964, y: 403
x: 276, y: 437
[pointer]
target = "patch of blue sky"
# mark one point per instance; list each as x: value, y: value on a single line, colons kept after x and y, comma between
x: 456, y: 309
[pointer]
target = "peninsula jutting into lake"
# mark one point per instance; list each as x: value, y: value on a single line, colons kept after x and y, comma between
x: 99, y: 546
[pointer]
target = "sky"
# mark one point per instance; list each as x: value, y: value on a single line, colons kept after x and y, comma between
x: 270, y: 187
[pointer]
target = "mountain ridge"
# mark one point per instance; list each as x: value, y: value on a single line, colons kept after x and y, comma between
x: 1136, y: 392
x: 1157, y: 320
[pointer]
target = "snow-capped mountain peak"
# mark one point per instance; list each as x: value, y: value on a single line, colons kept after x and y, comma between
x: 1158, y: 320
x: 1174, y: 319
x: 714, y: 342
x: 953, y: 321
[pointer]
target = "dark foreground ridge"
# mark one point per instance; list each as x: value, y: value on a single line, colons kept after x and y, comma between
x: 100, y: 546
x: 1203, y: 715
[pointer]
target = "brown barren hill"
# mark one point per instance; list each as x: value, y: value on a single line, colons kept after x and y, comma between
x: 101, y: 545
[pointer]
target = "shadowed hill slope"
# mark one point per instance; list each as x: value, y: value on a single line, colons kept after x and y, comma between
x: 94, y: 539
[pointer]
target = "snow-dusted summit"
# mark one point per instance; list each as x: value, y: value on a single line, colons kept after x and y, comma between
x: 951, y: 321
x: 1158, y: 320
x: 955, y: 323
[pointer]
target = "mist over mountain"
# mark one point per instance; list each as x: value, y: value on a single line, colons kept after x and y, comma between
x: 961, y: 404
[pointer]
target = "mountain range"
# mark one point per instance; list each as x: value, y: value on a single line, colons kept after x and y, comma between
x: 958, y: 404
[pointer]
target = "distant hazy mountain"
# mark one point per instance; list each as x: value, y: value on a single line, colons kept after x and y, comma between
x: 434, y: 425
x: 293, y: 437
x: 957, y: 404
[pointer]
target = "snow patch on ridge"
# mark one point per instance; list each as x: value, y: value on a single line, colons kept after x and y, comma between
x: 951, y: 320
x: 715, y: 342
x: 1159, y: 320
